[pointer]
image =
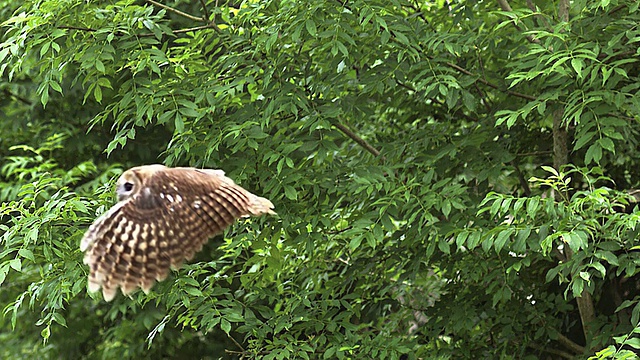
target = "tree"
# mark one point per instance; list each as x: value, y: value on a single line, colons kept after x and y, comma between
x: 450, y: 177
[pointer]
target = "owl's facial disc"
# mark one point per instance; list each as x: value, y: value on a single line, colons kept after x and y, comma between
x: 125, y: 187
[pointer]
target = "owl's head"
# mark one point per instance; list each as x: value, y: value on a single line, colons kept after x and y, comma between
x: 130, y: 182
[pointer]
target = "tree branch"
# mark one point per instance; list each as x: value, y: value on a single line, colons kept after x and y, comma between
x: 523, y: 182
x: 485, y: 82
x: 504, y: 4
x: 176, y: 11
x: 118, y: 33
x: 236, y: 342
x: 435, y: 101
x: 562, y: 354
x: 561, y: 158
x: 569, y: 344
x: 205, y: 10
x: 209, y: 26
x: 8, y: 93
x: 357, y: 139
x: 542, y: 19
x: 67, y: 27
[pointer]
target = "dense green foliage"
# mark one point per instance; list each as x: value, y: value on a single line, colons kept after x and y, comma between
x: 449, y: 177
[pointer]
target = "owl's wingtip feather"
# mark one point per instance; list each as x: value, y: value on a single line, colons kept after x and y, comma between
x: 260, y: 206
x: 93, y: 286
x: 108, y: 294
x: 146, y: 286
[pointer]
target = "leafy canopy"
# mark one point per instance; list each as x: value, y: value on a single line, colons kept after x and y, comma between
x: 449, y: 176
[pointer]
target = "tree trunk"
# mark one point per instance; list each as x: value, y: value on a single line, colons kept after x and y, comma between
x: 560, y: 158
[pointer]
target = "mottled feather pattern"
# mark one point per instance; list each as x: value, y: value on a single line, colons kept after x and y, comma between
x: 164, y: 217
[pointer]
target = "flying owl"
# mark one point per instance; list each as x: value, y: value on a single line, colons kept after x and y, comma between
x: 162, y: 218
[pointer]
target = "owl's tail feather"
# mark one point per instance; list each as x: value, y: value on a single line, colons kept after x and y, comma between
x: 259, y: 206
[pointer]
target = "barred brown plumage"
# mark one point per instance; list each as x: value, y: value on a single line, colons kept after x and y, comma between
x: 163, y: 217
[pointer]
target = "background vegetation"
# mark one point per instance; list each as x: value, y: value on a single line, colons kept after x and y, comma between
x: 451, y: 176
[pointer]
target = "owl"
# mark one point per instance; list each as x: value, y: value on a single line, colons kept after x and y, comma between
x: 162, y: 218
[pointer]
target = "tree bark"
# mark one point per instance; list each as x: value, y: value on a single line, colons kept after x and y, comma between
x: 560, y: 158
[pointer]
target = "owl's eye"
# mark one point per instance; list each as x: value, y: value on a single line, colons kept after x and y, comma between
x: 128, y: 186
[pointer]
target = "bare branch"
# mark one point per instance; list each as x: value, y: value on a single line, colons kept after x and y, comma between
x: 176, y: 11
x: 210, y: 26
x: 236, y: 342
x: 205, y: 10
x: 504, y: 5
x: 8, y: 93
x: 569, y: 344
x: 118, y: 33
x: 357, y: 139
x: 560, y: 353
x: 66, y: 27
x: 467, y: 72
x: 523, y: 182
x: 539, y: 16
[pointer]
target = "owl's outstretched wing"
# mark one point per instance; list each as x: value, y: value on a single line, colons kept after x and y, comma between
x: 164, y: 223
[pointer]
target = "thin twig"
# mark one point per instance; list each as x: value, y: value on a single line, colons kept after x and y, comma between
x: 549, y: 350
x: 467, y: 72
x: 535, y: 153
x: 523, y: 182
x: 76, y: 28
x: 10, y: 94
x: 484, y: 99
x: 209, y: 26
x: 570, y: 344
x: 628, y: 118
x: 504, y: 4
x: 357, y: 139
x: 205, y: 10
x: 119, y: 33
x: 236, y: 342
x: 436, y: 101
x: 539, y: 16
x: 181, y: 13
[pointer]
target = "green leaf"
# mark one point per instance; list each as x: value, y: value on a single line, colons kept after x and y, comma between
x: 234, y: 315
x: 474, y: 240
x: 3, y: 273
x: 193, y: 291
x: 502, y: 238
x: 225, y: 325
x: 443, y: 245
x: 577, y: 65
x: 461, y: 238
x: 495, y: 207
x: 189, y: 112
x: 100, y: 66
x: 290, y: 192
x: 532, y: 207
x: 607, y: 144
x: 97, y: 93
x: 179, y: 124
x: 633, y: 342
x: 577, y: 285
x: 446, y: 208
x: 487, y: 243
x: 57, y: 317
x: 16, y: 264
x: 45, y: 333
x: 55, y: 86
x: 583, y: 140
x: 601, y: 269
x: 311, y: 27
x: 27, y: 254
